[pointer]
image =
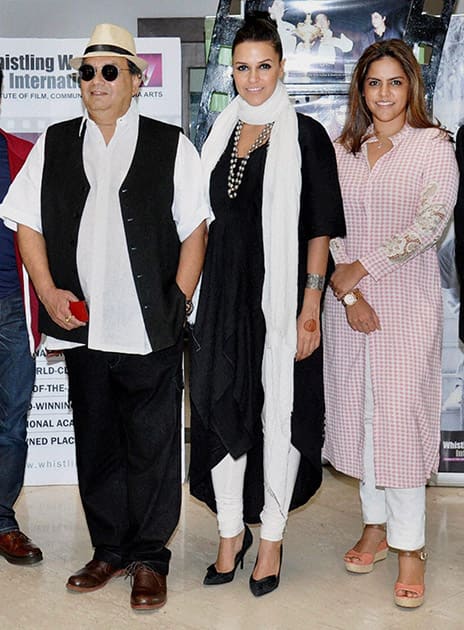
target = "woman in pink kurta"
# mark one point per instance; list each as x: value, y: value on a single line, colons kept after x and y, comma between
x: 383, y: 320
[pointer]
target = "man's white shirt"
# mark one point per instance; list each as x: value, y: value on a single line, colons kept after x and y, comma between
x: 116, y: 323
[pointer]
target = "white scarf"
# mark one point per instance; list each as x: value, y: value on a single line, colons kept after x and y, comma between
x: 280, y: 213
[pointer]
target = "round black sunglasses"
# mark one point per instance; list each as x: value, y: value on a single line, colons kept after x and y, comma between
x: 109, y: 72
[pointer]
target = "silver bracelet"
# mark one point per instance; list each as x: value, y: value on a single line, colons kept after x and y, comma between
x: 315, y: 281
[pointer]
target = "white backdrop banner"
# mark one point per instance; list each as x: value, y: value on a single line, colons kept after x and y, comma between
x: 41, y: 88
x: 448, y: 107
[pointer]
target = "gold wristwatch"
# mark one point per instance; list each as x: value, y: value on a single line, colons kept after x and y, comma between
x: 352, y: 297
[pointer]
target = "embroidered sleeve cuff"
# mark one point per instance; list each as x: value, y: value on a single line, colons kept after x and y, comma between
x: 337, y: 249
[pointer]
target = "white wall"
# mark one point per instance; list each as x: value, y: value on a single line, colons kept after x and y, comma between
x: 76, y: 18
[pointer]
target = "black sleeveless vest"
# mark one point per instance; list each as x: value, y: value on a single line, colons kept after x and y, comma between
x: 146, y: 197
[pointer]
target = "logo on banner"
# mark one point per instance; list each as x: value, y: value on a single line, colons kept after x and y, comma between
x: 154, y: 71
x: 452, y: 452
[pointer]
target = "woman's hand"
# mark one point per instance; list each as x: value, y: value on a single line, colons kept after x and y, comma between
x: 346, y: 277
x: 308, y: 324
x: 308, y: 333
x: 362, y: 317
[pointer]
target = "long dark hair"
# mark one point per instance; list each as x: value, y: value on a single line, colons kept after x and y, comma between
x: 259, y: 27
x: 359, y: 118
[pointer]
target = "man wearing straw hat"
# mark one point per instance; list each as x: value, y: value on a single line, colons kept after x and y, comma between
x: 111, y: 228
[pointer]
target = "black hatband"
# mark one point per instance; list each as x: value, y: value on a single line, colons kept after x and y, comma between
x: 107, y: 48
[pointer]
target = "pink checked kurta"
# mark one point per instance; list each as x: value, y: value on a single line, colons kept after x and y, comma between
x: 395, y: 213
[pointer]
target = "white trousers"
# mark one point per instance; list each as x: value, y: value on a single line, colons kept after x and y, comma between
x: 402, y: 509
x: 228, y: 477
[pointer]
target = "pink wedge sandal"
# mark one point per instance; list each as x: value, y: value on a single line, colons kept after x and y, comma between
x: 413, y: 594
x: 363, y: 561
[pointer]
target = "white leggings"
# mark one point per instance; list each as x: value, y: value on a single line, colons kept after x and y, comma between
x: 402, y: 509
x: 228, y: 477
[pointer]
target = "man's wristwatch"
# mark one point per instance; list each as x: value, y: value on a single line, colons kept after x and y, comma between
x: 352, y: 297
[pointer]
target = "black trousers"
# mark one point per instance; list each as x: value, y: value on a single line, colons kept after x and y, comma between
x: 127, y: 422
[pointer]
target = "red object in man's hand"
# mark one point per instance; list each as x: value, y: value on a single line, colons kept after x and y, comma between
x: 79, y: 310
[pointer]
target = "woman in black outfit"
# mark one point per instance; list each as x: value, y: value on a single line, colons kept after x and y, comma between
x: 256, y: 375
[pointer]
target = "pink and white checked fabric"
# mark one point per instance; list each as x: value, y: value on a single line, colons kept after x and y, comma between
x: 395, y: 213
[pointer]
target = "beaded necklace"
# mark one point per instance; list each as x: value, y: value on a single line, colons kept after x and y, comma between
x: 236, y: 174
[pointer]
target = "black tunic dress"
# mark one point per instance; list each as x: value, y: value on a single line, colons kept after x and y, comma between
x: 228, y: 337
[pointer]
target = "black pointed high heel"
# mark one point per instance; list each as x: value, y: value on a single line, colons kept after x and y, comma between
x: 214, y: 577
x: 266, y: 584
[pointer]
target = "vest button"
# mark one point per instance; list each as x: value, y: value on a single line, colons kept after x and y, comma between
x: 146, y: 307
x: 139, y: 275
x: 130, y: 219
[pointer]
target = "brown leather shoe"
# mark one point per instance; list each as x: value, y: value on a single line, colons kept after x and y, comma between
x: 93, y: 576
x: 17, y: 548
x: 148, y: 588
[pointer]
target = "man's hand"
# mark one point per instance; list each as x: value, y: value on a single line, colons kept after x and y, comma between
x: 56, y: 302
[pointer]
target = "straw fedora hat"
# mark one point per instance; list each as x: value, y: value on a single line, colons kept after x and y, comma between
x: 108, y: 40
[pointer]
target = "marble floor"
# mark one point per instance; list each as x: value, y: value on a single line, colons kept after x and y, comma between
x: 315, y: 592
